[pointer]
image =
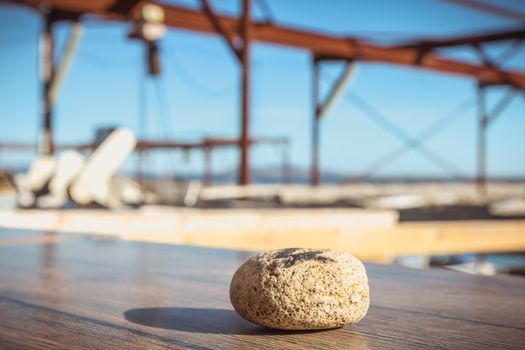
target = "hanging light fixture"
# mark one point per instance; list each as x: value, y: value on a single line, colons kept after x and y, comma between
x: 150, y: 28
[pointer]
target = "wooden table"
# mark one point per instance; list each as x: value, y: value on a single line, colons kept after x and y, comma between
x: 60, y: 291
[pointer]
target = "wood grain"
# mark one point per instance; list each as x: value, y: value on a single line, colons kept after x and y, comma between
x: 109, y: 294
x: 372, y: 236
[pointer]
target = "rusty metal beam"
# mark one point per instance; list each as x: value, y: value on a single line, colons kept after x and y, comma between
x: 330, y: 46
x: 205, y: 143
x: 48, y: 72
x: 483, y: 120
x: 226, y: 33
x: 243, y: 55
x: 337, y: 89
x: 124, y: 6
x: 244, y: 164
x: 47, y: 145
x: 327, y: 46
x: 319, y: 109
x: 315, y: 175
x: 63, y: 66
x: 213, y: 141
x: 465, y: 40
x: 491, y: 9
x: 145, y: 145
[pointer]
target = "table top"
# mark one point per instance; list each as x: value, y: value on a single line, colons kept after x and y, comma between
x: 60, y: 291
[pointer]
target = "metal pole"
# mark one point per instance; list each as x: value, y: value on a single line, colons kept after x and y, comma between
x: 141, y: 161
x: 244, y: 171
x: 207, y: 178
x: 482, y: 140
x: 337, y: 89
x: 62, y: 68
x: 285, y: 165
x: 47, y: 145
x: 314, y: 171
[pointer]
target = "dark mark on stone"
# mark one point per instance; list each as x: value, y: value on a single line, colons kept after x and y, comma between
x: 291, y: 256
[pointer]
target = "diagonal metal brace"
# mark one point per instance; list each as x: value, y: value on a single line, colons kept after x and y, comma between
x: 486, y: 60
x: 230, y: 37
x: 490, y: 63
x: 502, y: 105
x: 337, y: 88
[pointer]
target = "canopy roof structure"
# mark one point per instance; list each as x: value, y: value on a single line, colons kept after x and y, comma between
x: 417, y: 55
x: 240, y: 33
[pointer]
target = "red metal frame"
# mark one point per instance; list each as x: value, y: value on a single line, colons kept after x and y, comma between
x: 475, y: 39
x: 244, y: 166
x: 418, y: 54
x: 315, y: 176
x: 48, y: 65
x: 490, y: 9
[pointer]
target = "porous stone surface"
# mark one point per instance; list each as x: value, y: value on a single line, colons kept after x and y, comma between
x: 301, y: 289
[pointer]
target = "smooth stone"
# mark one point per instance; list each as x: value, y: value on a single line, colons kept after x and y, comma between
x: 301, y: 289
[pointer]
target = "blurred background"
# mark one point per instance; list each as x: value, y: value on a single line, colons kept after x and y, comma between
x: 394, y: 130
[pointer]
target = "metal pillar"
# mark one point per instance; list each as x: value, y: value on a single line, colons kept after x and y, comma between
x: 208, y: 176
x: 481, y: 180
x: 244, y: 166
x: 47, y: 145
x: 286, y: 171
x: 314, y: 171
x: 140, y: 165
x: 61, y: 69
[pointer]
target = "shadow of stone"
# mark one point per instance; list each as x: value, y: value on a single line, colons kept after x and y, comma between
x: 196, y: 320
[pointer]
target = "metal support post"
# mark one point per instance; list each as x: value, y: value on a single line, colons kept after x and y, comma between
x: 208, y: 176
x: 285, y: 165
x: 244, y: 166
x: 482, y: 140
x: 47, y: 145
x: 314, y: 171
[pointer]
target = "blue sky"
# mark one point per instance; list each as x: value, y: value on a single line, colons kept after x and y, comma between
x: 201, y: 80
